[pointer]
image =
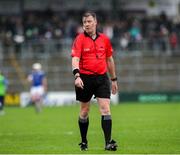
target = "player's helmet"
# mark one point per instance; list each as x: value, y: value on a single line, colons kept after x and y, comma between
x: 37, y: 66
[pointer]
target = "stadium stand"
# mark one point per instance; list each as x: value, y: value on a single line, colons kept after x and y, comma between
x: 146, y: 48
x: 137, y: 71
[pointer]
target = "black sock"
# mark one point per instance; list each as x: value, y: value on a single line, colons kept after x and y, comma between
x: 106, y: 124
x: 83, y: 126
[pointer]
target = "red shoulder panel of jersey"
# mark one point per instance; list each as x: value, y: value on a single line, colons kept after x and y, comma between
x: 77, y: 46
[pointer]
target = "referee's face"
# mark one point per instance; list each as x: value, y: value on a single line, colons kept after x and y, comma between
x: 89, y: 25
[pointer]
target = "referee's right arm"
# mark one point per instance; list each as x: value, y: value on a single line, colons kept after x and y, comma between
x: 75, y: 63
x: 76, y: 54
x: 75, y: 67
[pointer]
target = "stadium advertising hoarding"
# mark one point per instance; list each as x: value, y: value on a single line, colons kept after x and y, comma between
x: 58, y: 98
x: 68, y: 98
x: 149, y: 97
x: 50, y: 99
x: 12, y: 99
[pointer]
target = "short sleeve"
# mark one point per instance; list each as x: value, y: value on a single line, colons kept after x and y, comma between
x: 77, y: 47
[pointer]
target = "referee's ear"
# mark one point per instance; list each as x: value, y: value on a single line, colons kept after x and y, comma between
x: 96, y: 21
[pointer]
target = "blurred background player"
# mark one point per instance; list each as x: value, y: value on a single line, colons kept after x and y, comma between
x: 38, y: 81
x: 3, y: 89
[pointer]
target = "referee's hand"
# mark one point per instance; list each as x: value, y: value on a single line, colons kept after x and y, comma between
x: 79, y: 83
x: 114, y: 87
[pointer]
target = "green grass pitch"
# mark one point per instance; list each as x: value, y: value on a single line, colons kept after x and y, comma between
x: 138, y: 129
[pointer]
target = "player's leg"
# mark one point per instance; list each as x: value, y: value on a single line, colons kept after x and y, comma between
x: 106, y: 123
x: 38, y: 104
x: 103, y: 97
x: 84, y: 123
x: 2, y: 105
x: 84, y: 96
x: 40, y: 95
x: 34, y: 101
x: 38, y: 98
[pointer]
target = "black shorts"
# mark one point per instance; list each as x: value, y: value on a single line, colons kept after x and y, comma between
x: 97, y: 85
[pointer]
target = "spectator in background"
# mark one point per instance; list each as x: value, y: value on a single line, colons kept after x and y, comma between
x: 163, y: 37
x: 108, y: 30
x: 173, y: 40
x: 3, y: 89
x: 40, y: 26
x: 124, y: 41
x: 135, y: 32
x: 38, y: 89
x: 135, y: 35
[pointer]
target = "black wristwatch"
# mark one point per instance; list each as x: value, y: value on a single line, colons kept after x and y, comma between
x: 114, y: 79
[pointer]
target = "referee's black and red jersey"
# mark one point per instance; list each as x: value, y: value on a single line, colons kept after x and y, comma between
x: 92, y: 53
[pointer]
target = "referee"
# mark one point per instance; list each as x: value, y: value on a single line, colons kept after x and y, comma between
x: 91, y: 59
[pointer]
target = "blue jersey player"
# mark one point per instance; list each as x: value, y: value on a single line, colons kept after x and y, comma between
x: 38, y: 81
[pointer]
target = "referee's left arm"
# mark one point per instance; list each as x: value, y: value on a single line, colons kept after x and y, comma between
x: 112, y: 72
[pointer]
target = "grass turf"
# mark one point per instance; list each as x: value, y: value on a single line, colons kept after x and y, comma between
x: 138, y: 129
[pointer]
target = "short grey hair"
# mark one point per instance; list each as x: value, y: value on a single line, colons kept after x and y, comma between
x: 89, y: 13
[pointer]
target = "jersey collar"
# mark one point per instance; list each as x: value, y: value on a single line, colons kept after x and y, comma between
x: 87, y: 35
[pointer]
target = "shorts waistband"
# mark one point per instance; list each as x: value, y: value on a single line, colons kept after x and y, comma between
x: 93, y: 75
